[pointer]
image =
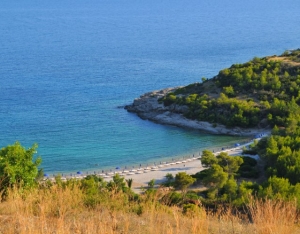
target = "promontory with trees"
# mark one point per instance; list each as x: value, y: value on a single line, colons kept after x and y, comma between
x: 260, y: 94
x: 263, y: 93
x: 240, y: 194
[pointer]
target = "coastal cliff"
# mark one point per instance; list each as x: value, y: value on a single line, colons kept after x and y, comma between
x: 148, y: 106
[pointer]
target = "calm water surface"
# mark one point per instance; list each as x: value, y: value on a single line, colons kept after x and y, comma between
x: 67, y: 66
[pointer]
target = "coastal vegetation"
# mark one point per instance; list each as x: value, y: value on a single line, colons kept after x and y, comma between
x: 18, y: 167
x: 262, y: 92
x: 92, y: 205
x: 234, y: 180
x: 237, y: 194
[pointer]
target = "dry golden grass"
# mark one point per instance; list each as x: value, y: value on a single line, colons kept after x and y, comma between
x: 284, y: 59
x: 274, y: 217
x: 58, y: 210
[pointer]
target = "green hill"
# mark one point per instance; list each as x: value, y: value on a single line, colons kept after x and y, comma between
x: 260, y: 93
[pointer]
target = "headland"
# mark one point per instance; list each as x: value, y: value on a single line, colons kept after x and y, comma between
x: 148, y: 106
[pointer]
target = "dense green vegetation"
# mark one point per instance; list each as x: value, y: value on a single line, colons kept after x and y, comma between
x: 281, y: 154
x: 235, y: 180
x: 262, y: 92
x: 18, y: 167
x: 221, y: 178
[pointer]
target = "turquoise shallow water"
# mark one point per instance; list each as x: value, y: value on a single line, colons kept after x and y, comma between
x: 67, y: 66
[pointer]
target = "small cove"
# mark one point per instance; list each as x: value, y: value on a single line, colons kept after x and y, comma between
x: 66, y: 68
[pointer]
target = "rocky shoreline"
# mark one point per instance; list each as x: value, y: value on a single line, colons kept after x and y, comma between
x: 148, y: 107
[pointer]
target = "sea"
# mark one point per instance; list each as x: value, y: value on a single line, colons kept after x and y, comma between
x: 68, y: 67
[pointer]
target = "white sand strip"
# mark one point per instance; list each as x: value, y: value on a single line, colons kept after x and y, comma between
x: 142, y: 176
x: 141, y: 181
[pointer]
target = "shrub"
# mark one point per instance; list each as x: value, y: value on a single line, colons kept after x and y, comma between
x: 191, y: 195
x: 249, y: 161
x: 18, y: 167
x: 172, y: 198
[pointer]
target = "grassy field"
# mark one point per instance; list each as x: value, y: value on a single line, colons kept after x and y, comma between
x: 56, y: 209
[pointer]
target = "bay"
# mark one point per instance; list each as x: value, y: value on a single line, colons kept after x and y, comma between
x: 66, y: 67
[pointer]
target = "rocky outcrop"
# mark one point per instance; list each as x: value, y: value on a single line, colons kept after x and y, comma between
x: 148, y: 107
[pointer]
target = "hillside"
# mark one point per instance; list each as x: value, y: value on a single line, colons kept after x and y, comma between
x: 260, y: 93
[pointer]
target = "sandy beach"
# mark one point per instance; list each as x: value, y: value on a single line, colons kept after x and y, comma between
x: 142, y: 176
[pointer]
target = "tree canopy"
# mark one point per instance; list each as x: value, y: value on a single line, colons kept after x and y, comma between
x: 262, y: 92
x: 18, y: 166
x: 183, y: 181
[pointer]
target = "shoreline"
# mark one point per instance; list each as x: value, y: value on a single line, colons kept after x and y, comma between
x: 147, y: 107
x: 141, y: 176
x: 141, y: 180
x: 96, y: 170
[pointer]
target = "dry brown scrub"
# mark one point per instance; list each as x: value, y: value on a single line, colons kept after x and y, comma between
x: 284, y: 59
x: 57, y: 210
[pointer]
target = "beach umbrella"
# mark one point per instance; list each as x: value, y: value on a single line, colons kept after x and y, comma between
x: 117, y: 168
x: 236, y: 144
x: 46, y: 175
x: 79, y: 172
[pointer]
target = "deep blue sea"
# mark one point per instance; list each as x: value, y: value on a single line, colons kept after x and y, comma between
x: 66, y: 66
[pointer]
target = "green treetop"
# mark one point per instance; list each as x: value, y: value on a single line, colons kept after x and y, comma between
x: 17, y: 166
